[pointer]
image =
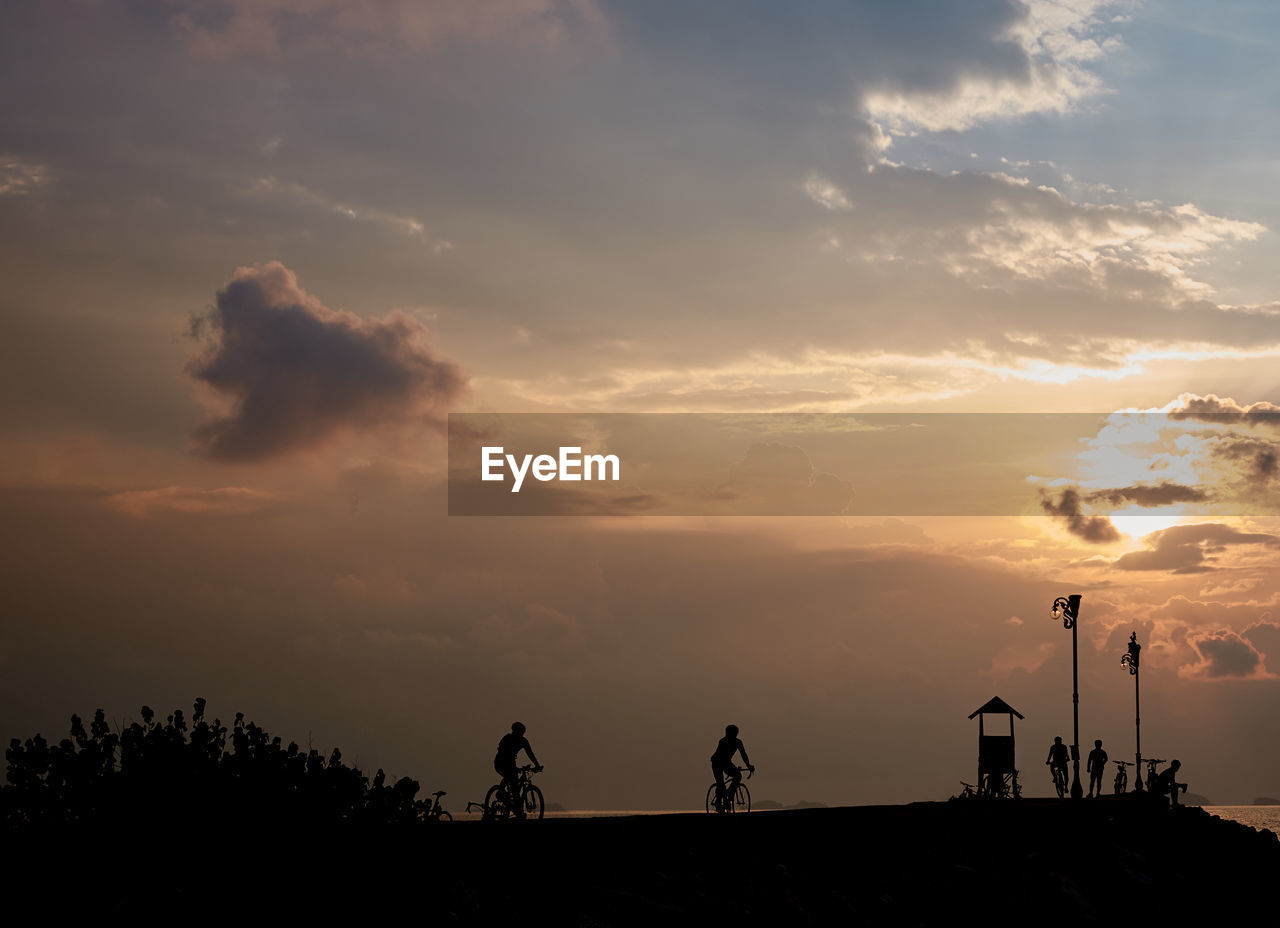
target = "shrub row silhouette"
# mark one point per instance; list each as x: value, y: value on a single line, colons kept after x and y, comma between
x: 175, y: 773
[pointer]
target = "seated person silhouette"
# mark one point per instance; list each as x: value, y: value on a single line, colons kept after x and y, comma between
x: 1166, y: 784
x: 722, y: 764
x: 1058, y: 757
x: 1096, y: 765
x: 509, y: 747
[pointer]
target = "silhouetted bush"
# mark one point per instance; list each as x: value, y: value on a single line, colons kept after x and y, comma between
x: 197, y: 774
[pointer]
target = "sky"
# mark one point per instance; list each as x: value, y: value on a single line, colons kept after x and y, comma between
x: 255, y: 252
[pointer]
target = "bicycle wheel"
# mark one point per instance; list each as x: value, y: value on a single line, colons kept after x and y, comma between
x: 444, y: 817
x: 1060, y: 783
x: 531, y: 802
x: 741, y: 799
x: 711, y: 799
x: 495, y: 804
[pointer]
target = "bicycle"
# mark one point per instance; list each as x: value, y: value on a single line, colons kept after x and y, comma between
x: 499, y: 804
x: 1151, y: 771
x: 1122, y: 776
x: 433, y: 811
x: 1000, y: 785
x: 1014, y: 787
x: 969, y: 792
x: 1059, y: 780
x: 739, y: 802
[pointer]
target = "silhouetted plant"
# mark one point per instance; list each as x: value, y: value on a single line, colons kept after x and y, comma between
x: 181, y: 774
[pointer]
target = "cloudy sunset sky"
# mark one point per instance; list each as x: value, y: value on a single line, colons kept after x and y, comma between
x: 254, y: 252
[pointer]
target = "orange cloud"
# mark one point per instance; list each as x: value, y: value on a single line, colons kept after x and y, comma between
x: 142, y: 504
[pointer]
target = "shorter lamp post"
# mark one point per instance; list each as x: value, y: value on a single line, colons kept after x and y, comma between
x: 1067, y: 608
x: 1130, y: 660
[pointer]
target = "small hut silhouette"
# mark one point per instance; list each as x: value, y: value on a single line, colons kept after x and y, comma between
x: 997, y: 776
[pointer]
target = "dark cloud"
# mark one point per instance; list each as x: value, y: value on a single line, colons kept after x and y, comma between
x: 1259, y: 456
x: 1160, y: 494
x: 1265, y: 637
x: 1070, y: 505
x: 298, y: 373
x: 1188, y: 549
x: 1213, y: 408
x: 1068, y: 508
x: 1223, y: 655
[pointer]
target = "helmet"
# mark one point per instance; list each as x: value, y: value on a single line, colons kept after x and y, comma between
x: 518, y: 727
x: 1175, y: 764
x: 731, y: 731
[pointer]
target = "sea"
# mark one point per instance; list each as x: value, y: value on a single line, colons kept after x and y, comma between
x: 1260, y: 817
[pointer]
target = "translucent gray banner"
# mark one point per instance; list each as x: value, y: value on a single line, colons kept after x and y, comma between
x: 1071, y: 466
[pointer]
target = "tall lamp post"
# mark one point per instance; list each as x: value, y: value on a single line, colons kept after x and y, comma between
x: 1130, y: 660
x: 1067, y: 608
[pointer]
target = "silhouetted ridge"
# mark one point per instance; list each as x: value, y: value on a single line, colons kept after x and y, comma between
x: 177, y: 773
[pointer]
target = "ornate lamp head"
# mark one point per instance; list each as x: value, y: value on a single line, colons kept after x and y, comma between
x: 1066, y: 608
x: 1130, y: 659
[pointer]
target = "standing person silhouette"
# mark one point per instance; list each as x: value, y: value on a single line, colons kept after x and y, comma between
x: 504, y: 762
x: 722, y: 764
x: 1097, y: 763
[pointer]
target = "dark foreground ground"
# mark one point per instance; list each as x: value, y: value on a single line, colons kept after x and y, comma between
x: 1047, y: 862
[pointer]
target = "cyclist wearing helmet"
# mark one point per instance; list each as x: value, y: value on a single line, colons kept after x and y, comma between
x: 512, y: 743
x: 722, y: 764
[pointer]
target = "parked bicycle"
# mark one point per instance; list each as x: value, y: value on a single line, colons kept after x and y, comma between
x: 718, y: 800
x: 969, y: 792
x: 1003, y: 785
x: 1151, y: 770
x: 433, y: 811
x: 1122, y: 776
x: 499, y: 803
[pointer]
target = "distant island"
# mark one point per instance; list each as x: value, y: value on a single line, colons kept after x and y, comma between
x: 1266, y: 801
x: 770, y: 805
